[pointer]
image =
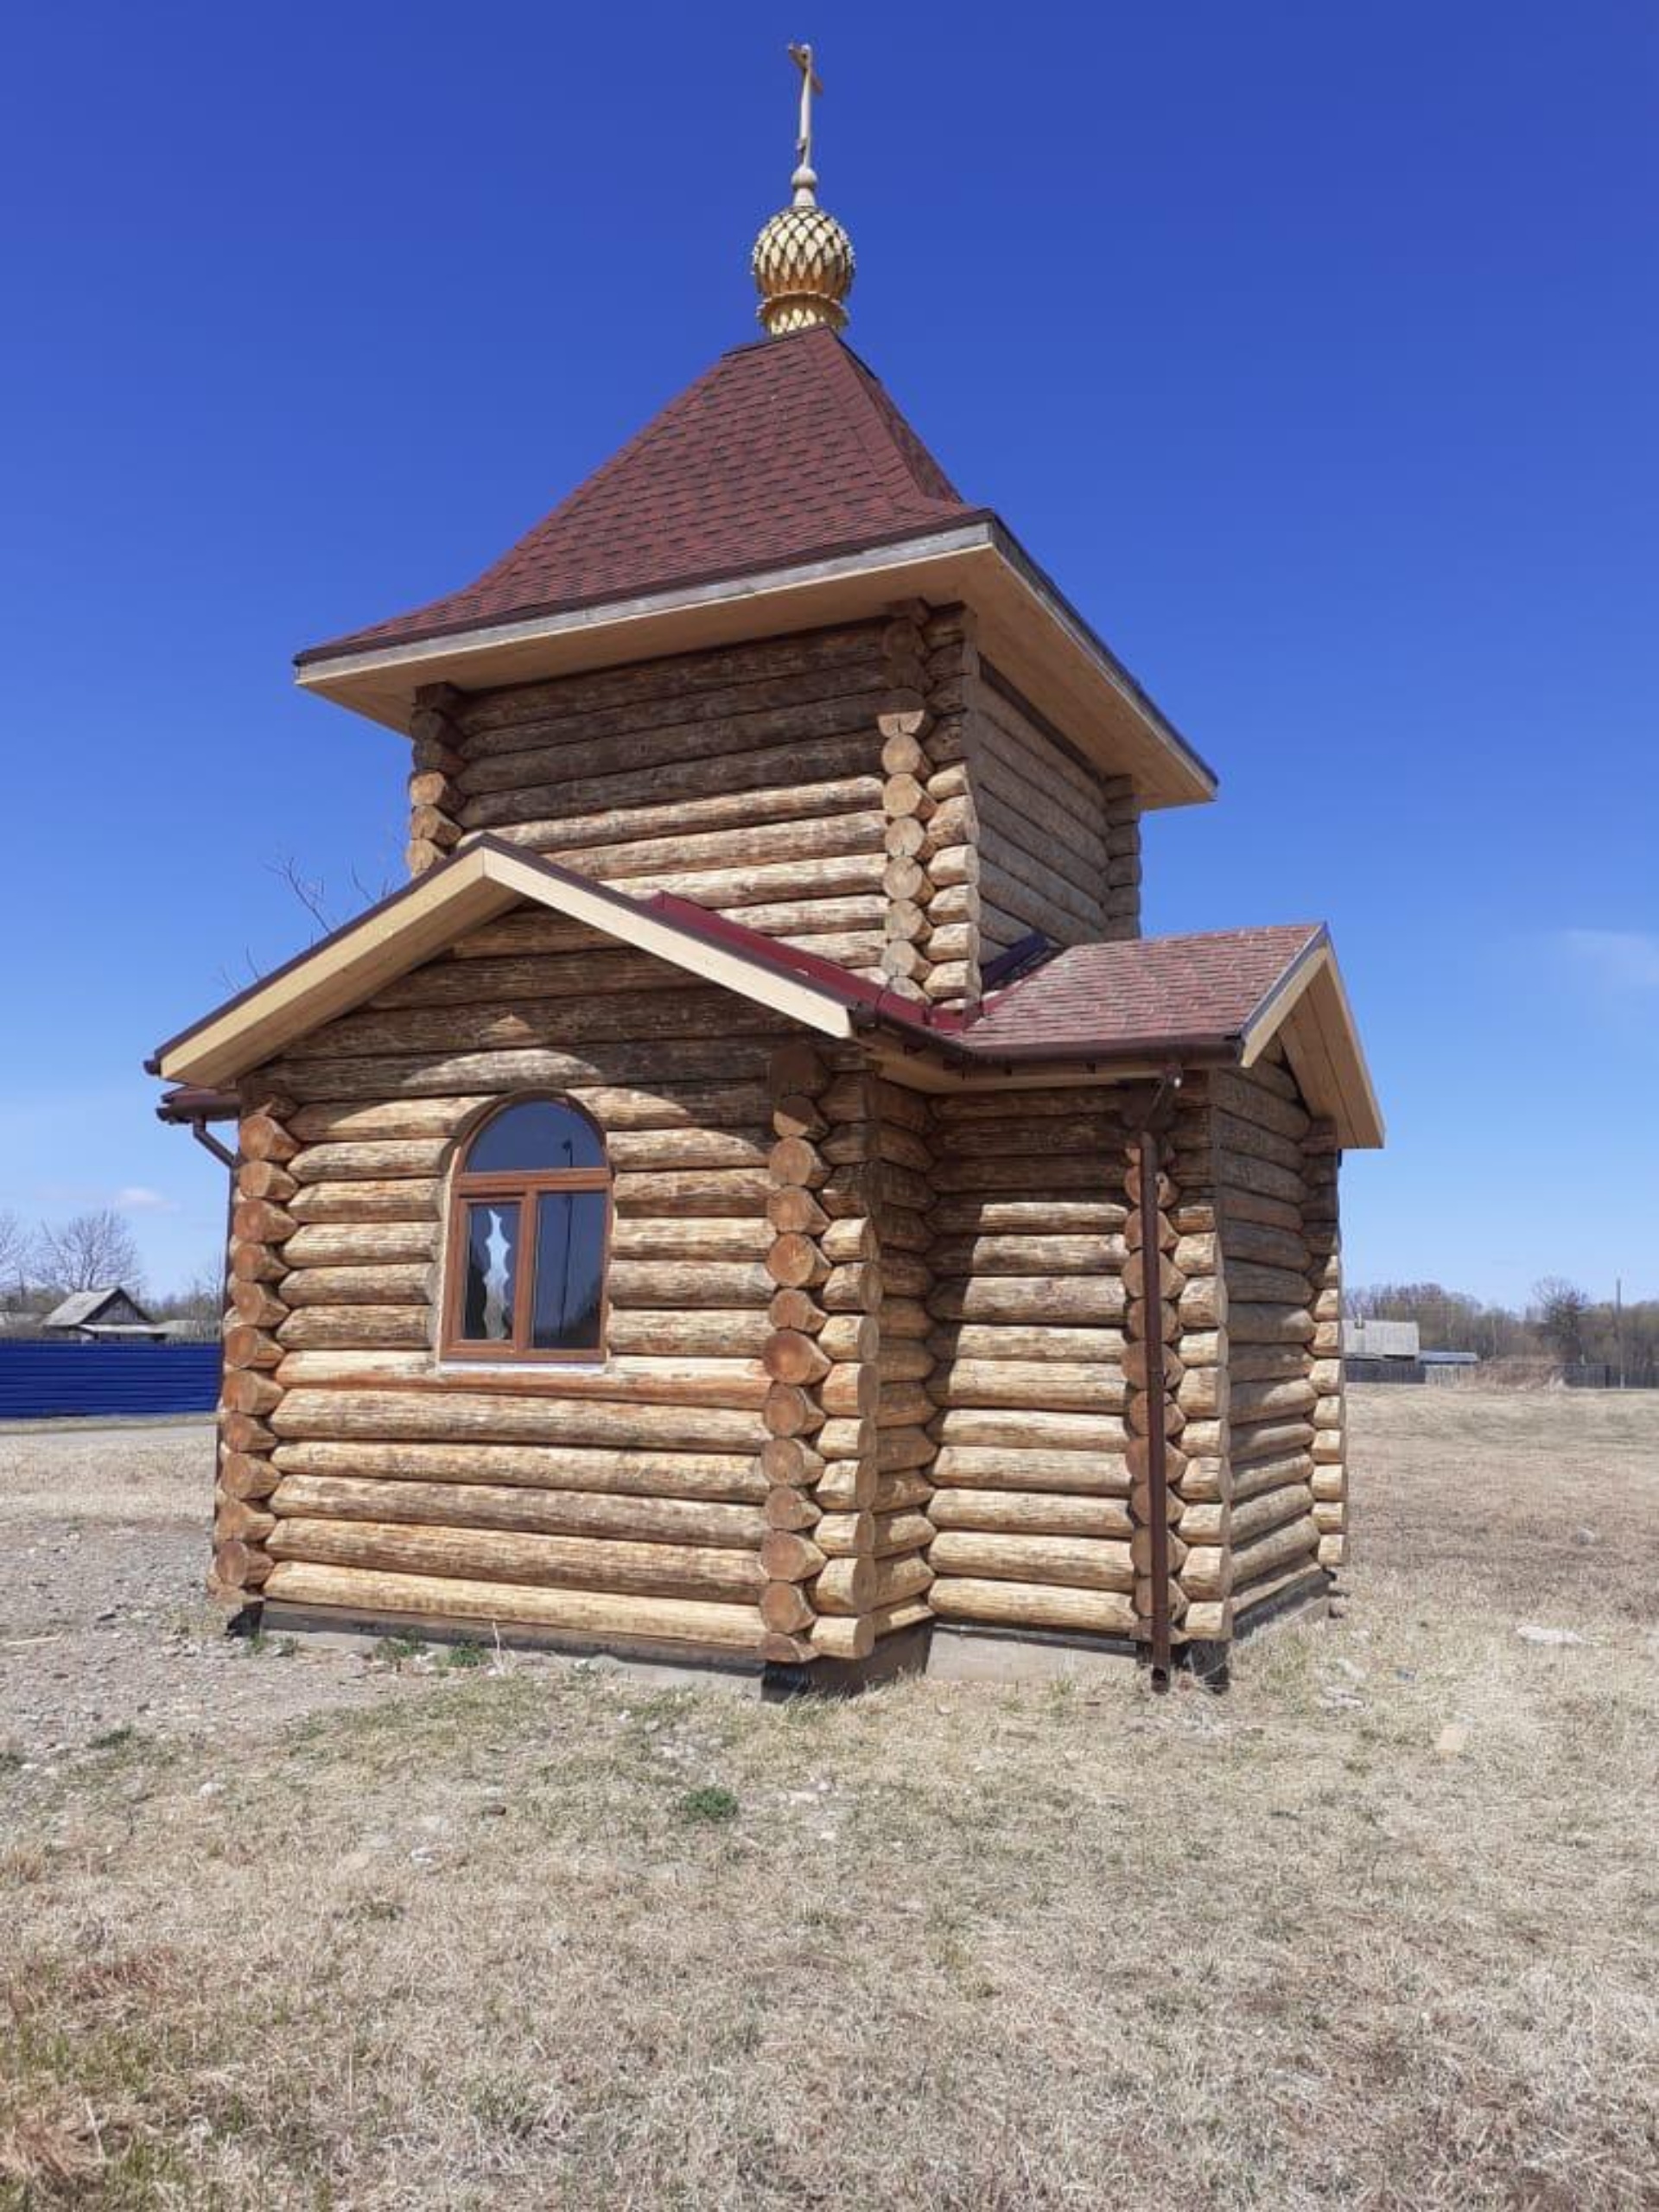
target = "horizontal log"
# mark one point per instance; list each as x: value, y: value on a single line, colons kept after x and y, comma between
x: 1256, y: 1440
x: 1023, y: 1255
x: 1033, y: 1429
x: 499, y: 1555
x: 1044, y: 1140
x: 1283, y: 1548
x: 1250, y: 1323
x: 738, y: 1236
x: 1258, y: 1516
x: 1031, y: 1299
x: 729, y: 1284
x: 734, y: 1478
x: 1270, y: 1400
x: 350, y: 1243
x: 904, y: 1359
x: 384, y: 1159
x: 906, y: 1529
x: 1046, y: 1385
x: 900, y: 1577
x: 1302, y: 1580
x: 991, y: 1214
x: 653, y: 1332
x: 440, y: 1073
x: 660, y: 1017
x: 1271, y: 1473
x: 1269, y: 1246
x: 1010, y: 1467
x: 522, y: 1507
x: 1254, y: 1284
x: 1026, y: 1605
x: 1244, y: 1098
x: 406, y: 1283
x: 1265, y: 1363
x: 1083, y: 1562
x: 703, y: 1194
x: 1236, y: 1173
x: 1020, y: 1512
x: 355, y: 1591
x: 1065, y: 1178
x: 1015, y: 1340
x: 414, y: 1198
x: 397, y: 1415
x: 355, y: 1328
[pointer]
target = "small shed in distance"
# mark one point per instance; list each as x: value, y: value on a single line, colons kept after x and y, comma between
x: 107, y: 1314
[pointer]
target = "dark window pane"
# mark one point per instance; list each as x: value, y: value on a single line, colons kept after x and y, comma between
x: 535, y: 1138
x: 570, y: 1270
x: 492, y: 1264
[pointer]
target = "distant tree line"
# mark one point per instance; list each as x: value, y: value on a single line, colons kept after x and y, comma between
x: 1561, y: 1323
x: 42, y: 1264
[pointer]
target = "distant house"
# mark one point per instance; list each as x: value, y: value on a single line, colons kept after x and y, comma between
x: 1380, y: 1339
x: 104, y: 1316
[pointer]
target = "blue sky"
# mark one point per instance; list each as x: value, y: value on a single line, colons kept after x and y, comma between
x: 1313, y: 349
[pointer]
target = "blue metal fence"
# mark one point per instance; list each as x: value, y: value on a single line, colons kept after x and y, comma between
x: 42, y: 1380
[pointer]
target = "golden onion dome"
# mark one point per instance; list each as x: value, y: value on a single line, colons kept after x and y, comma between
x: 803, y: 260
x: 803, y: 265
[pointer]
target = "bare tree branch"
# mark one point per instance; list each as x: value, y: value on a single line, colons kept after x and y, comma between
x: 92, y: 1251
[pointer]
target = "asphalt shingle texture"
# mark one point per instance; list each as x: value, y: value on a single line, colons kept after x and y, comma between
x: 785, y: 451
x: 1143, y: 987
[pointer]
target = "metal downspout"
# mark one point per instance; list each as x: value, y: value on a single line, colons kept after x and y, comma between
x: 1157, y: 1441
x: 199, y: 1129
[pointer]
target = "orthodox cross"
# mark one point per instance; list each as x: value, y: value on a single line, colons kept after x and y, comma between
x: 801, y: 57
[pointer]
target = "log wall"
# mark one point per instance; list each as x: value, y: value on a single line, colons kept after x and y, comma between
x: 870, y: 793
x: 1248, y: 1500
x: 621, y: 1499
x: 1029, y: 1257
x: 1059, y: 844
x: 748, y: 778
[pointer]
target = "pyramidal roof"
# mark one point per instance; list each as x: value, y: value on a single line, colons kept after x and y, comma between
x: 784, y: 452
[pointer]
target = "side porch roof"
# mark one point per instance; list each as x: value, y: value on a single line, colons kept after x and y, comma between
x: 1089, y: 1012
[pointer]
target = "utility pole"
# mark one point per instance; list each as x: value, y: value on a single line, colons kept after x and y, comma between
x: 1619, y: 1325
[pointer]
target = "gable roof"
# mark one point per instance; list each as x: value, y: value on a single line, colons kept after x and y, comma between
x: 1136, y: 1005
x: 782, y: 452
x: 84, y: 1306
x: 781, y: 491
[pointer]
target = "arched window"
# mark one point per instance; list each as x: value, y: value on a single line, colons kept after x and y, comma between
x: 528, y: 1228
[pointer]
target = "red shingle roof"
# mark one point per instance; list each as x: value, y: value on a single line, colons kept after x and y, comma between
x: 1141, y: 991
x: 785, y: 451
x: 1139, y: 994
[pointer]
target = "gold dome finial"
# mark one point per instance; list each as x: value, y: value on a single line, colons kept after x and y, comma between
x: 802, y: 259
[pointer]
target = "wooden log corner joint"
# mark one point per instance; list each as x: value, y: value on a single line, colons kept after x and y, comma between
x: 756, y: 1194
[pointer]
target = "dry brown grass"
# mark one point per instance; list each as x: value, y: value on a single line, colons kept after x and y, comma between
x: 956, y: 1947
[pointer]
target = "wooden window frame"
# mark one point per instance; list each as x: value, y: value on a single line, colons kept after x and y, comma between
x: 525, y: 1188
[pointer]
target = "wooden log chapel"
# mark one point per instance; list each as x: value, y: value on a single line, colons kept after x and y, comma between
x: 756, y: 1194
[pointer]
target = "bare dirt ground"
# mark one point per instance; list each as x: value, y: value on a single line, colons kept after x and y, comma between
x: 1380, y: 1928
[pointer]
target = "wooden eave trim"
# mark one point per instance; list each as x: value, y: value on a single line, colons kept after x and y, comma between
x: 1308, y: 1010
x: 1028, y: 629
x: 482, y: 880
